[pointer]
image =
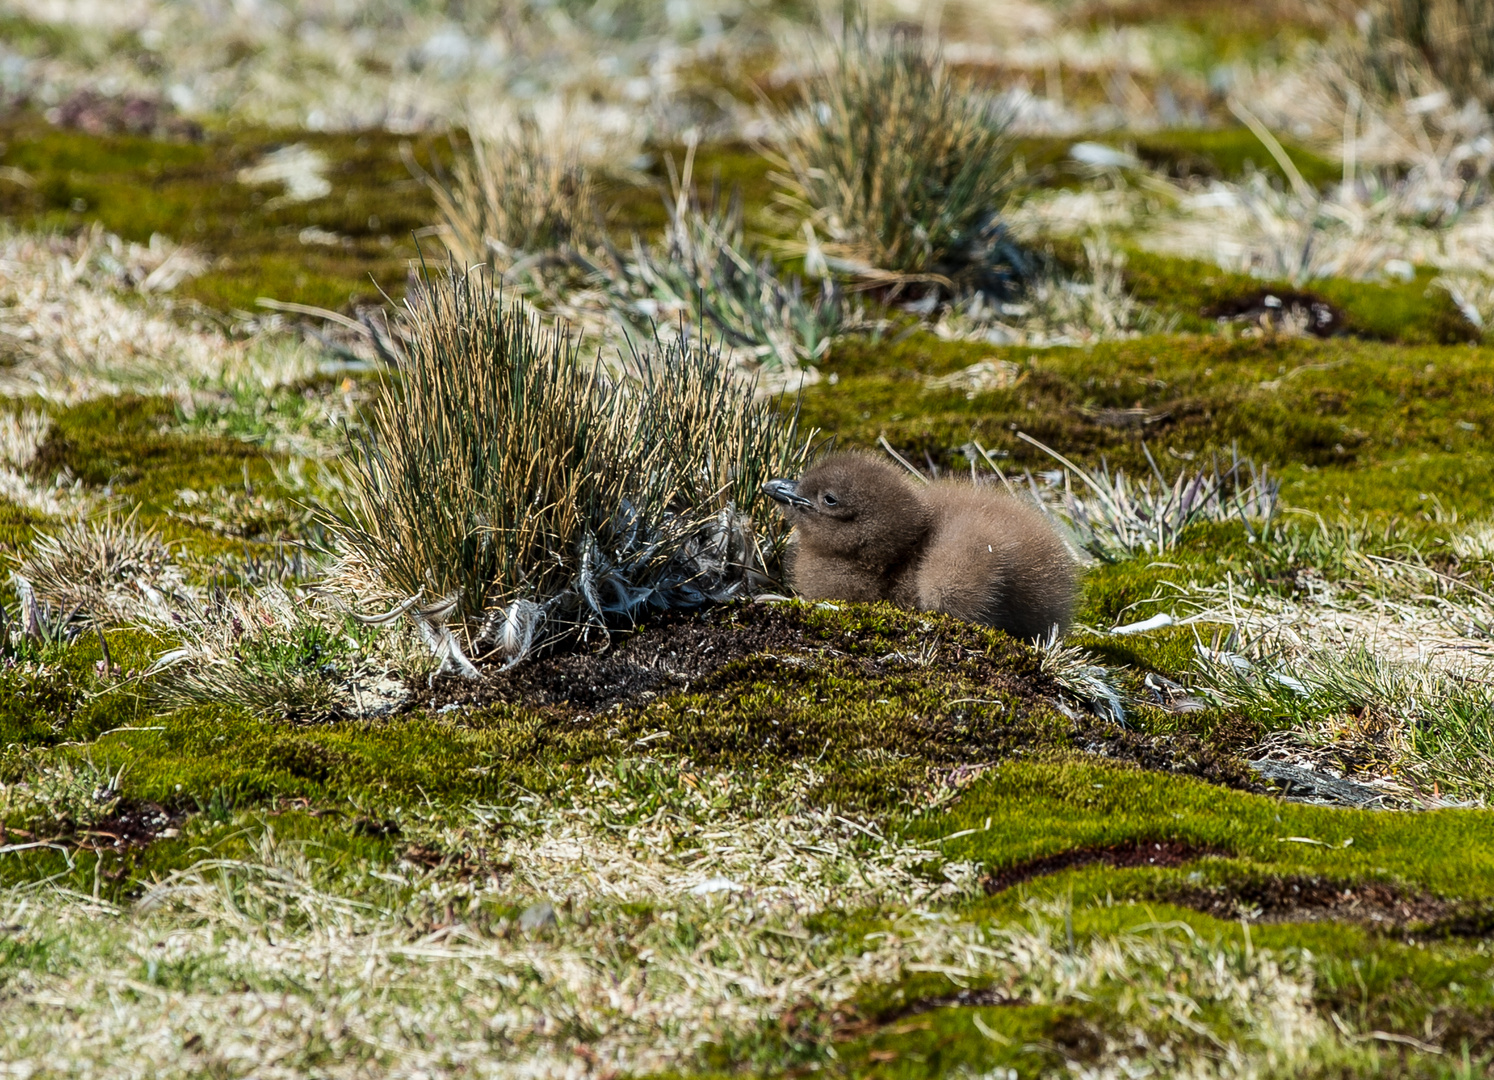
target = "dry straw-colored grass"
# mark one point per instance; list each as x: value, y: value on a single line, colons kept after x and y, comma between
x: 76, y: 322
x: 277, y: 965
x: 515, y: 201
x: 1383, y: 660
x: 22, y: 434
x: 1452, y: 41
x: 1058, y: 309
x: 107, y: 570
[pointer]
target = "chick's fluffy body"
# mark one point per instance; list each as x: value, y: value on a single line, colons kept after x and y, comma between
x: 948, y: 547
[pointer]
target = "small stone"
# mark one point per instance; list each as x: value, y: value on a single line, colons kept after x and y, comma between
x: 716, y: 885
x: 538, y: 917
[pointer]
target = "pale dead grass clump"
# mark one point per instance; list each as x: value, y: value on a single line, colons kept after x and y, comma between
x: 284, y: 652
x: 1111, y: 517
x: 1056, y: 309
x: 74, y: 326
x: 268, y: 648
x: 515, y: 201
x: 59, y: 796
x: 1414, y: 193
x: 275, y: 965
x: 22, y: 434
x: 110, y: 571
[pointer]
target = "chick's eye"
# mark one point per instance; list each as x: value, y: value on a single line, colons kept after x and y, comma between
x: 829, y: 499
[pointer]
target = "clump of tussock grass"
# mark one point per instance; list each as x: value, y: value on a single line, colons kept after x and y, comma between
x: 531, y: 218
x: 22, y: 434
x: 1077, y: 673
x: 514, y: 201
x: 1121, y: 517
x: 58, y: 797
x: 1429, y: 727
x: 108, y: 571
x: 532, y: 496
x: 1450, y: 42
x: 903, y: 164
x: 1057, y: 308
x: 275, y: 651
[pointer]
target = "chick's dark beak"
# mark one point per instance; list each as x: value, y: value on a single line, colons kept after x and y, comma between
x: 787, y: 493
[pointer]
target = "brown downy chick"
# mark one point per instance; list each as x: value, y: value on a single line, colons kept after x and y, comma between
x: 858, y: 529
x: 863, y: 532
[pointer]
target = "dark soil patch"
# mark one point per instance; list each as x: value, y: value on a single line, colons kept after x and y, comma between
x: 133, y: 824
x: 1297, y: 898
x: 1128, y: 854
x: 970, y: 694
x: 847, y: 1026
x: 667, y: 654
x: 1272, y: 308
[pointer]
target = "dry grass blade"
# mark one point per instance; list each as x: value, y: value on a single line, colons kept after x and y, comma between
x: 1121, y: 516
x: 538, y: 496
x: 512, y: 199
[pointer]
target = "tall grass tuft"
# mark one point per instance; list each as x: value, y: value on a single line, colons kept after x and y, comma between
x: 525, y: 494
x: 511, y: 201
x: 903, y: 164
x: 1453, y: 40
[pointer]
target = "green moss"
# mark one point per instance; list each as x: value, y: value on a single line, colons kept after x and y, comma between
x: 1169, y: 652
x: 31, y: 37
x: 754, y: 713
x: 1207, y: 35
x: 1229, y: 154
x: 1359, y: 413
x: 131, y: 447
x: 18, y: 528
x: 136, y: 186
x: 1185, y: 289
x: 65, y: 696
x: 1036, y: 809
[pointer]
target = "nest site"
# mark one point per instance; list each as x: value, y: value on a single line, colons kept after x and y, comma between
x: 390, y: 647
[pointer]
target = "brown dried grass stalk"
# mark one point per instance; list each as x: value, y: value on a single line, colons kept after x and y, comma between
x: 1453, y: 40
x: 511, y: 198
